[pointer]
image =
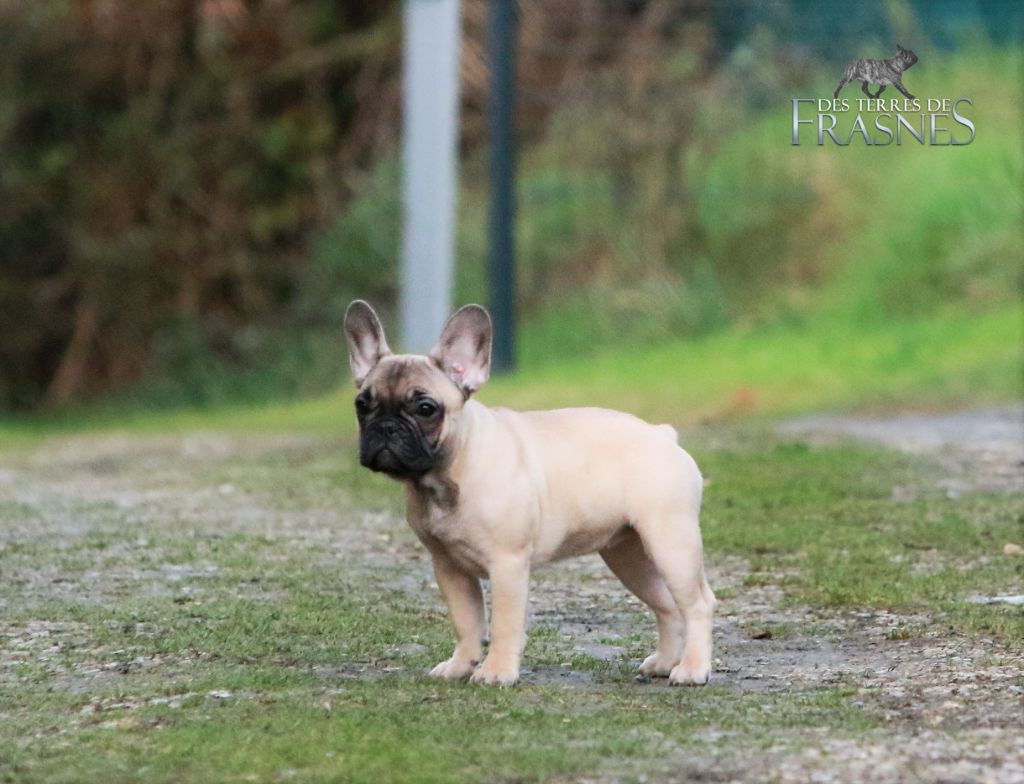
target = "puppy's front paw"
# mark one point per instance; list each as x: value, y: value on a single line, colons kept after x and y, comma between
x: 453, y: 669
x: 654, y: 666
x: 684, y: 674
x: 494, y: 674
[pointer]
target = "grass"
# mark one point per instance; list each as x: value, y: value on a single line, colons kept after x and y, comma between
x: 827, y: 517
x: 948, y: 360
x: 398, y: 727
x: 255, y: 610
x: 362, y: 733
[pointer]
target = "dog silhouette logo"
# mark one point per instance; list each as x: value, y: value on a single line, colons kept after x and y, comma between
x: 880, y: 72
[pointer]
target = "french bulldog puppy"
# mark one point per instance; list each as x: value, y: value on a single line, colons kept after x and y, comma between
x: 492, y: 493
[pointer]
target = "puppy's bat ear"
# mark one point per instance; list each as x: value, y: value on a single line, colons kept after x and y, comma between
x: 365, y: 337
x: 463, y: 351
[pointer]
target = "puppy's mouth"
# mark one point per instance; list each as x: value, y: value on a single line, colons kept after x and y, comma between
x: 397, y: 450
x: 385, y: 461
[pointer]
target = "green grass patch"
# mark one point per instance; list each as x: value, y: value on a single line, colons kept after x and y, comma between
x: 836, y: 364
x: 826, y: 525
x: 407, y: 729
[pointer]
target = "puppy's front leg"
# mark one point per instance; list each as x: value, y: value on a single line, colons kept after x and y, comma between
x: 465, y: 602
x: 510, y: 584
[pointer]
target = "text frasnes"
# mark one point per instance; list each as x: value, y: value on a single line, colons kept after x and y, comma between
x: 887, y: 123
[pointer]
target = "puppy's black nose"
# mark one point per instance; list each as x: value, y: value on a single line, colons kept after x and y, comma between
x: 388, y: 429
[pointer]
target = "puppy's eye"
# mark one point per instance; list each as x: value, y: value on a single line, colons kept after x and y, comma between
x: 426, y: 408
x: 362, y: 406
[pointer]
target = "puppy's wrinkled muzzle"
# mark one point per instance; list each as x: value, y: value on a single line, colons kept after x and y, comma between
x: 392, y: 446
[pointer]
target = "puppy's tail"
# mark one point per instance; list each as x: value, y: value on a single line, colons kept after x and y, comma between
x: 670, y: 431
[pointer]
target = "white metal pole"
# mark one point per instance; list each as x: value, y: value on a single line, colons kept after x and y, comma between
x: 430, y: 70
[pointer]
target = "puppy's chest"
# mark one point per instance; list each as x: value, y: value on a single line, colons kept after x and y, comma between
x: 440, y: 524
x: 452, y: 535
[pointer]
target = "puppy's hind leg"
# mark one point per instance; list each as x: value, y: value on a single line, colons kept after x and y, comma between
x: 674, y: 544
x: 628, y: 561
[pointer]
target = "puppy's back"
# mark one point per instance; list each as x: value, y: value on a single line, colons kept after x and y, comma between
x: 615, y: 456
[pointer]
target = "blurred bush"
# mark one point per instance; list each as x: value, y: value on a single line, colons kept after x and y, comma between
x: 162, y: 164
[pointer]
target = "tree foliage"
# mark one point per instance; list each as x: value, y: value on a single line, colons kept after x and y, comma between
x: 162, y: 164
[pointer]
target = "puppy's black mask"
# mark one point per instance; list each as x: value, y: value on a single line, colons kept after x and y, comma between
x: 398, y: 437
